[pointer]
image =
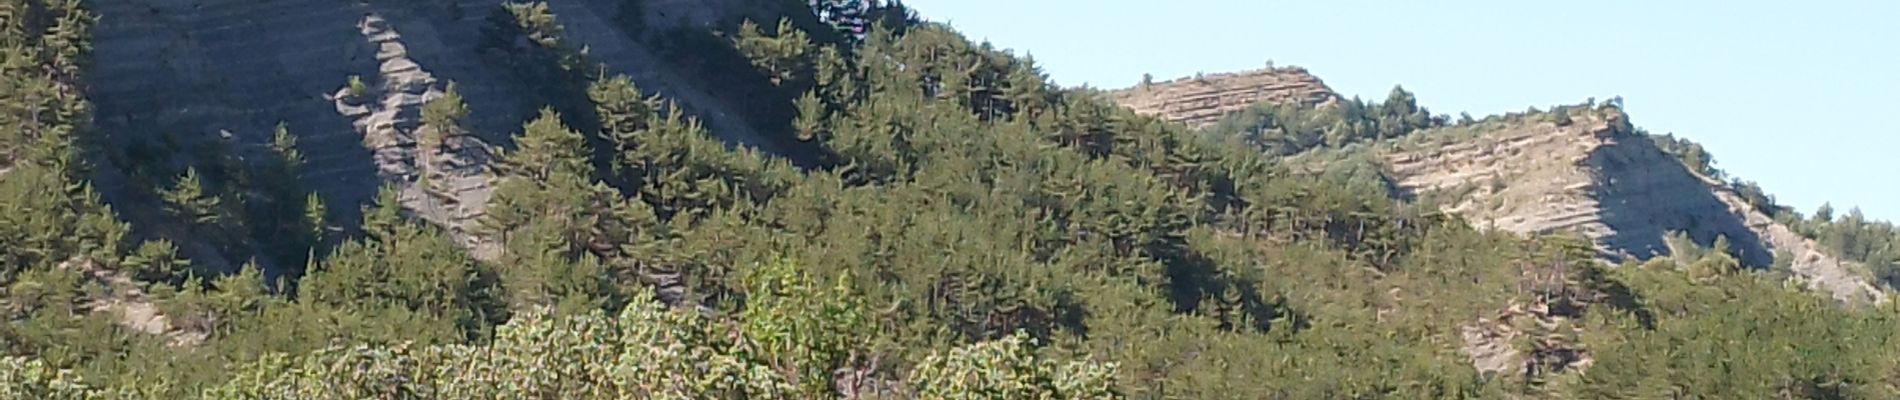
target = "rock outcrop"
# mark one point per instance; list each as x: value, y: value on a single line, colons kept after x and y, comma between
x: 1489, y: 343
x: 1589, y: 174
x: 200, y: 69
x: 1593, y: 175
x: 444, y: 183
x: 1202, y: 100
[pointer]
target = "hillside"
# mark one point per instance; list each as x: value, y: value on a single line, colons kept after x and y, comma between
x: 1588, y: 172
x: 752, y: 199
x: 1595, y: 175
x: 202, y: 71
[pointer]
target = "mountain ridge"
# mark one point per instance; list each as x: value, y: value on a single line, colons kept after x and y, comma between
x: 1571, y: 169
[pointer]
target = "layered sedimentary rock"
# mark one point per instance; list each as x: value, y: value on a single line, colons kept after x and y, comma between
x: 1589, y: 174
x: 201, y: 69
x: 1592, y: 175
x: 1201, y: 100
x: 197, y: 68
x: 444, y: 183
x: 608, y: 44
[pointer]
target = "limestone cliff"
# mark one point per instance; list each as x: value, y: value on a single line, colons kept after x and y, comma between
x: 1592, y: 174
x: 1201, y: 100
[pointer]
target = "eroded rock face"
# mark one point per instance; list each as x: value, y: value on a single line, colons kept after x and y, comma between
x: 446, y: 183
x: 201, y: 68
x: 1202, y: 100
x: 1592, y: 175
x: 610, y: 45
x: 1589, y: 174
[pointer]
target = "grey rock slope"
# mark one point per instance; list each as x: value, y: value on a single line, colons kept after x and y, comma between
x: 608, y: 44
x: 1594, y: 176
x: 201, y: 68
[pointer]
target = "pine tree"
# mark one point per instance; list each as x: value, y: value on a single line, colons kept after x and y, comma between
x: 284, y: 146
x: 315, y: 217
x: 157, y: 261
x: 385, y: 215
x: 188, y: 200
x: 442, y: 118
x: 812, y: 117
x: 1026, y: 92
x: 837, y: 80
x: 537, y: 20
x: 547, y: 147
x: 783, y: 56
x: 623, y: 110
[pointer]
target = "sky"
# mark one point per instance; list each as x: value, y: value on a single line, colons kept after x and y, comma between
x: 1801, y: 97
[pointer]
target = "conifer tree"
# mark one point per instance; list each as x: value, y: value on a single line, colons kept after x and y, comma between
x: 442, y: 118
x: 157, y: 261
x: 188, y: 200
x: 784, y: 55
x: 812, y: 117
x: 624, y: 113
x: 547, y: 147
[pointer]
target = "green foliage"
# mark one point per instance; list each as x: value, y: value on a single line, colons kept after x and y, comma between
x: 32, y: 379
x: 648, y: 351
x: 1009, y: 369
x: 402, y: 267
x: 356, y: 89
x: 157, y: 261
x: 549, y: 215
x: 1854, y: 237
x: 443, y: 118
x: 811, y: 117
x: 279, y: 212
x: 1292, y: 128
x: 968, y: 230
x: 189, y: 201
x: 546, y: 148
x: 805, y: 331
x: 1737, y: 336
x: 782, y: 55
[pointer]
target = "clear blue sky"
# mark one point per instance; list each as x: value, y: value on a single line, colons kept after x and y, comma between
x: 1802, y: 97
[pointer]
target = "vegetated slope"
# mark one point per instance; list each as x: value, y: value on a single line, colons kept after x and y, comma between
x: 1203, y: 99
x: 970, y: 232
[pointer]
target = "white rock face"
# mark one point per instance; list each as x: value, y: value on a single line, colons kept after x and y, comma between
x: 447, y: 185
x: 1617, y: 188
x: 1202, y: 100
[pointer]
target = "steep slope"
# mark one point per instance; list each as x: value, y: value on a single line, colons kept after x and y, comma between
x: 1201, y: 100
x: 211, y: 69
x: 1591, y: 173
x: 199, y: 69
x: 1586, y: 171
x: 609, y: 45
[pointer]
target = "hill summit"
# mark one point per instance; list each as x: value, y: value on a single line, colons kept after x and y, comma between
x: 1202, y: 99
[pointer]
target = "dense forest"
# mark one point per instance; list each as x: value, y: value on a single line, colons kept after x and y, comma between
x: 949, y: 225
